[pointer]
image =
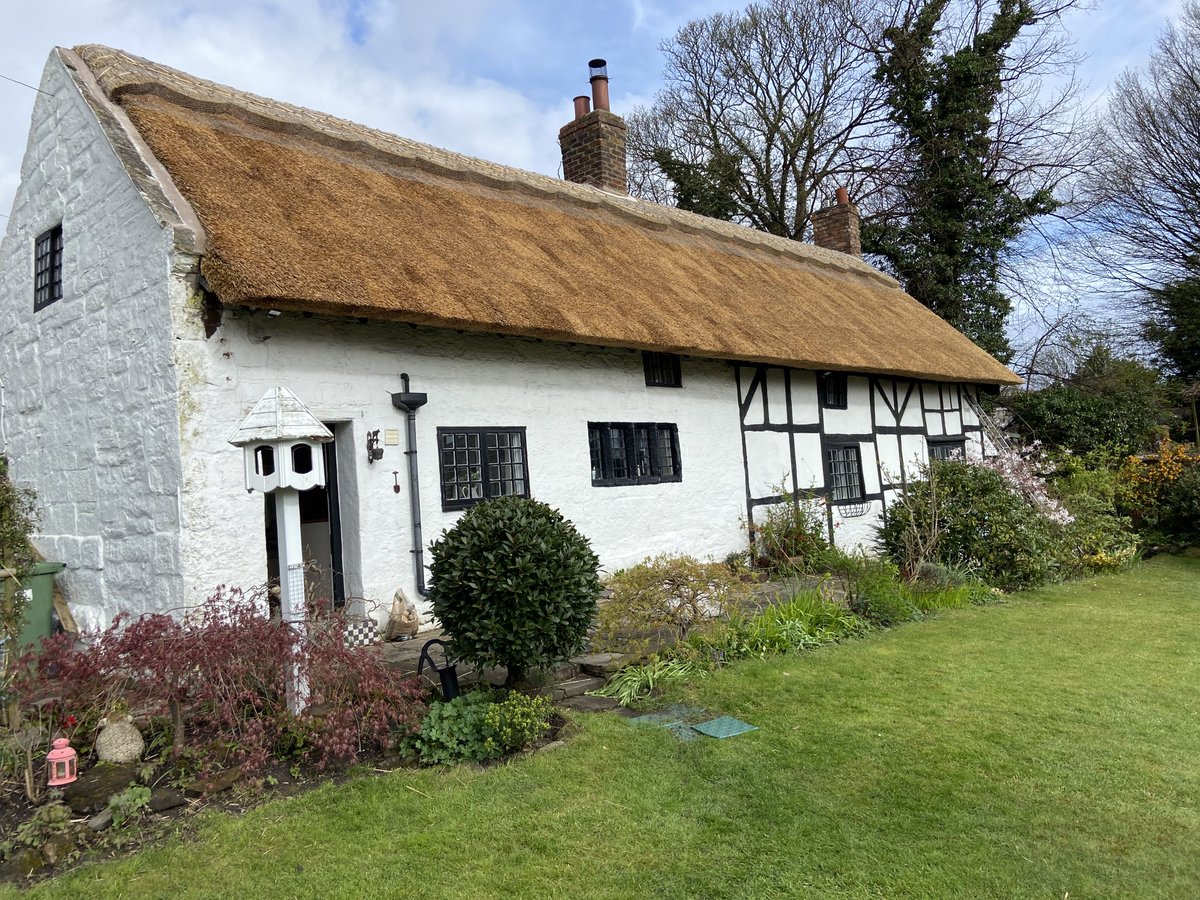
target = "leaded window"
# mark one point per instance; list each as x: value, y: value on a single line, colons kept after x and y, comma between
x: 47, y: 268
x: 844, y: 466
x: 479, y: 464
x: 633, y: 453
x: 945, y: 450
x: 662, y: 369
x: 834, y: 390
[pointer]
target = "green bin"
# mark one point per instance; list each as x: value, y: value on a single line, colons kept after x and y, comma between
x: 39, y: 612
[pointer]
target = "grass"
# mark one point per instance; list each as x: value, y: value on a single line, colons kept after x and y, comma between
x: 1045, y: 747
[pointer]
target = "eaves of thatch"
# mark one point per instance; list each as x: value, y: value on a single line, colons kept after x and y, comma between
x: 305, y: 212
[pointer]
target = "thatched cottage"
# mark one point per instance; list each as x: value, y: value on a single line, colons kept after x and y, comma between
x: 177, y: 248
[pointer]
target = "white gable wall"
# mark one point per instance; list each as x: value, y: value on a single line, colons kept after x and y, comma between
x: 89, y: 410
x: 345, y: 371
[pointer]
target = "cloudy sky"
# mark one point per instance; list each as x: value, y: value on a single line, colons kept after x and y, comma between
x: 490, y: 78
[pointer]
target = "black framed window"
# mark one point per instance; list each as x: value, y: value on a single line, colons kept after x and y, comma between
x: 844, y: 469
x: 833, y: 390
x: 47, y: 268
x: 662, y: 369
x: 634, y: 453
x: 947, y: 449
x: 478, y: 464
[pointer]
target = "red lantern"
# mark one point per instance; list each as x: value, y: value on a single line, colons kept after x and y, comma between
x: 62, y: 763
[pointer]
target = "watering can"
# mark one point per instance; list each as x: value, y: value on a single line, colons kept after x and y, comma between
x: 447, y: 674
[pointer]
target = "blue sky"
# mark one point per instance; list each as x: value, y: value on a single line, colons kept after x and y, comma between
x: 484, y: 77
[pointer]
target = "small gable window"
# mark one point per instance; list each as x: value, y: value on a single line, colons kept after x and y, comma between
x: 845, y: 481
x: 479, y: 464
x: 633, y: 453
x: 833, y: 390
x: 945, y: 450
x: 47, y: 268
x: 662, y: 369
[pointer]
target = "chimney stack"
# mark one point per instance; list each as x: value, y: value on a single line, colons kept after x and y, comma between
x: 837, y: 227
x: 593, y: 144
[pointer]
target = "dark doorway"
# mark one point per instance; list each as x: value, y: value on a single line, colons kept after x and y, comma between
x: 321, y: 534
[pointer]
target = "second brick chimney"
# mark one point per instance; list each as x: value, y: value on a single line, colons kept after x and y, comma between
x: 593, y: 144
x: 837, y: 227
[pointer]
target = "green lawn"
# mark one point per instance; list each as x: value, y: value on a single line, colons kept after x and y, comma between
x: 1044, y: 747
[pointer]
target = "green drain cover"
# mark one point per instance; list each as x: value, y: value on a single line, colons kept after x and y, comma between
x: 725, y: 726
x: 673, y: 719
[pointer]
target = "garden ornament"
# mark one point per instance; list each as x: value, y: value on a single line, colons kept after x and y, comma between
x: 119, y: 740
x: 447, y: 674
x: 61, y: 763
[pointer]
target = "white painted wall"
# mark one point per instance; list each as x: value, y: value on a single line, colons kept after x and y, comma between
x: 345, y: 371
x: 89, y: 412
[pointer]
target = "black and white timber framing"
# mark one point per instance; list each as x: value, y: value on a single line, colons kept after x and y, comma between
x: 787, y: 432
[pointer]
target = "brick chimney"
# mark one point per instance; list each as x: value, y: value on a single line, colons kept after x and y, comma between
x: 593, y: 144
x: 836, y: 227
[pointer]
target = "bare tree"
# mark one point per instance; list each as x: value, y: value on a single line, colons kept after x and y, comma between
x: 778, y: 88
x: 1147, y: 189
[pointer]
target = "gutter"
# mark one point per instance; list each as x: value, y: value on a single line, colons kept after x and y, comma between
x: 408, y: 403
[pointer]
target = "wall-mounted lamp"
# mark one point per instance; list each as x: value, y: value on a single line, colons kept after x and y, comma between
x: 396, y: 478
x: 374, y: 451
x: 273, y: 314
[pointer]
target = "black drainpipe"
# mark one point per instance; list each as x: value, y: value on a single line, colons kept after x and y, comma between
x: 409, y: 403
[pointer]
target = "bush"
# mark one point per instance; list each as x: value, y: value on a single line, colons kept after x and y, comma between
x: 1180, y: 506
x: 455, y: 730
x: 514, y: 584
x: 968, y: 515
x: 793, y: 534
x: 666, y: 598
x: 219, y: 678
x: 516, y: 722
x: 474, y: 728
x: 1159, y: 492
x: 878, y: 596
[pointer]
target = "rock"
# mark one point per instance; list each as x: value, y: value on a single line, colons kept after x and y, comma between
x: 601, y: 664
x: 120, y: 742
x: 214, y: 784
x: 164, y: 798
x: 100, y: 820
x: 58, y: 848
x: 21, y: 864
x: 90, y: 792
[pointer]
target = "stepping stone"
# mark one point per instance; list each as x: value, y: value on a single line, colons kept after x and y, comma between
x: 601, y: 665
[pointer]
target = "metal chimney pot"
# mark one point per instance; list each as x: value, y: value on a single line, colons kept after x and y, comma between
x: 598, y: 76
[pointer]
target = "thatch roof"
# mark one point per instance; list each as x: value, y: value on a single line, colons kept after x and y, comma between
x: 305, y: 212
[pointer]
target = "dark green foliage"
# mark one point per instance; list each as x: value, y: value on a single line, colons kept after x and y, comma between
x: 709, y: 189
x: 958, y: 217
x: 1107, y: 404
x: 1180, y: 513
x: 18, y: 519
x: 514, y: 584
x: 1175, y: 324
x: 980, y: 521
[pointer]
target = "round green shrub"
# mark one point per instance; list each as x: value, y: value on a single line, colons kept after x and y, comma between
x: 514, y: 584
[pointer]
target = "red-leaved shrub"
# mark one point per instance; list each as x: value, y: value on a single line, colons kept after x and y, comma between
x: 219, y: 677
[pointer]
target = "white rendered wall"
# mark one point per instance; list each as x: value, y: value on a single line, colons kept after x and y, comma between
x: 89, y: 415
x: 345, y: 372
